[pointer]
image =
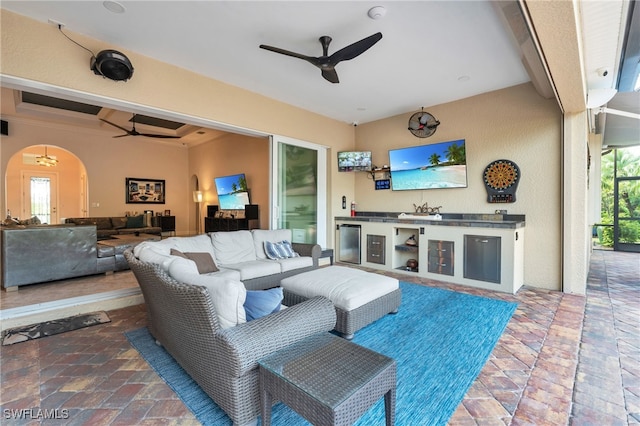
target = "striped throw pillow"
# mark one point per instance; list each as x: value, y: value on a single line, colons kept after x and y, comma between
x: 281, y: 250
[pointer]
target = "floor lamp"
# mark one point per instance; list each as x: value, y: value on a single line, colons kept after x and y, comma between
x: 197, y: 198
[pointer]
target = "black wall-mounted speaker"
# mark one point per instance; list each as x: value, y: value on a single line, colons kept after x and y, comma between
x: 251, y: 211
x: 211, y: 211
x: 4, y: 127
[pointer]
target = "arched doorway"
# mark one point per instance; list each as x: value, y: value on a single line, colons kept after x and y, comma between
x: 52, y: 193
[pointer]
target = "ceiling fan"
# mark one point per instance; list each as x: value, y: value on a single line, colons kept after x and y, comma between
x: 134, y: 132
x: 327, y: 63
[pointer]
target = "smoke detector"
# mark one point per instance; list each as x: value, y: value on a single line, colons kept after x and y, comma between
x: 377, y: 12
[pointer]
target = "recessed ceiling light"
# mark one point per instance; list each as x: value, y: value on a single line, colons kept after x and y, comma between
x: 113, y: 6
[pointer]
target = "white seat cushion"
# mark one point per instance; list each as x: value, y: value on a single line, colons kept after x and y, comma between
x: 347, y: 288
x: 255, y: 268
x: 292, y: 263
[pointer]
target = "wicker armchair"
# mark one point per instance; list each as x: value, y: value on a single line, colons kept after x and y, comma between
x: 182, y: 318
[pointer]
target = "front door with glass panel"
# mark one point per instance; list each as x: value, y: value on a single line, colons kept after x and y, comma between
x: 40, y: 196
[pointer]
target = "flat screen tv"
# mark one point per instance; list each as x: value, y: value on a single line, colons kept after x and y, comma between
x: 439, y: 165
x: 354, y: 161
x: 233, y: 193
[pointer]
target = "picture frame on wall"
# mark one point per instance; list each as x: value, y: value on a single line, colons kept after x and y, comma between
x: 145, y: 191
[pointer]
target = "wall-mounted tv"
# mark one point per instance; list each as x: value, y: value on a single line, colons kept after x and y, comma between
x: 439, y: 165
x: 233, y: 193
x: 354, y: 161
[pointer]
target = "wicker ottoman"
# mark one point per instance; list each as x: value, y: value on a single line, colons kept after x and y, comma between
x: 359, y: 297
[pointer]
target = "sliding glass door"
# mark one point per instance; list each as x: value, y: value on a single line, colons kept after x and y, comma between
x: 299, y: 179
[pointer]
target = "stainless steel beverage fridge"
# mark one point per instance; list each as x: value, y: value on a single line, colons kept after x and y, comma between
x: 349, y: 251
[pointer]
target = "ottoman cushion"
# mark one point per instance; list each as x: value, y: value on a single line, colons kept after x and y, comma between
x: 347, y: 288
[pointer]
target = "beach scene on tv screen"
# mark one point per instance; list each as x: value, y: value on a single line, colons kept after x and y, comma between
x: 232, y: 192
x: 439, y: 165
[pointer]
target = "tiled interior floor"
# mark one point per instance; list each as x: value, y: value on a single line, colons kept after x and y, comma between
x: 563, y: 359
x: 82, y: 286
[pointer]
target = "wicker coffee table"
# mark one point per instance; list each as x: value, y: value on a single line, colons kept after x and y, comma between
x: 328, y: 380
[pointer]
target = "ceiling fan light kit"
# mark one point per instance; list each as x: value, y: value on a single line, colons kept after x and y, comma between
x: 422, y: 124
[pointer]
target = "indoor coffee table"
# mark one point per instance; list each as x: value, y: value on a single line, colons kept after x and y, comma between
x: 327, y: 380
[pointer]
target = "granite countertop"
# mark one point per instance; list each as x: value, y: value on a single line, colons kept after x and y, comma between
x: 447, y: 219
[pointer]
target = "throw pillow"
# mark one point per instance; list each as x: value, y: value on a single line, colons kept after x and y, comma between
x: 135, y: 221
x: 203, y: 261
x: 281, y: 250
x: 260, y: 303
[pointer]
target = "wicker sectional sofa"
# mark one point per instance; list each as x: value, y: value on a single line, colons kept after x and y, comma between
x: 238, y: 255
x: 199, y: 318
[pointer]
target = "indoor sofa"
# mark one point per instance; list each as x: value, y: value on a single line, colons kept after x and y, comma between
x: 200, y: 321
x: 41, y: 253
x: 118, y: 225
x: 236, y: 255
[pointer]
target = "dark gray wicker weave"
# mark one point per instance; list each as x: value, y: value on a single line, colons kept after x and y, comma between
x: 348, y: 322
x: 328, y: 380
x: 182, y: 318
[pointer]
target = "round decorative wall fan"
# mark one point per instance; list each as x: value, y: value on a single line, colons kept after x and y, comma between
x: 422, y: 124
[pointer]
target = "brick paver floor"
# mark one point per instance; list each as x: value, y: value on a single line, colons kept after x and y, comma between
x: 563, y: 360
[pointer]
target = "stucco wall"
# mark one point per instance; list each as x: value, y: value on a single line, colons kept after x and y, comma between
x: 515, y: 124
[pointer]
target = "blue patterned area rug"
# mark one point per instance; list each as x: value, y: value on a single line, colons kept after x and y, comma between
x: 439, y: 338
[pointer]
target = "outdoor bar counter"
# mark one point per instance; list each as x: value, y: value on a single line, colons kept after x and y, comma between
x: 480, y: 250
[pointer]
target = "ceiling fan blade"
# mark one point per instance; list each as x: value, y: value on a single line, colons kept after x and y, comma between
x: 115, y: 125
x: 355, y: 49
x: 121, y: 136
x: 289, y: 53
x: 330, y: 74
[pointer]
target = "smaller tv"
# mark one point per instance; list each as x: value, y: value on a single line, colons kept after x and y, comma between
x: 233, y: 193
x: 354, y: 161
